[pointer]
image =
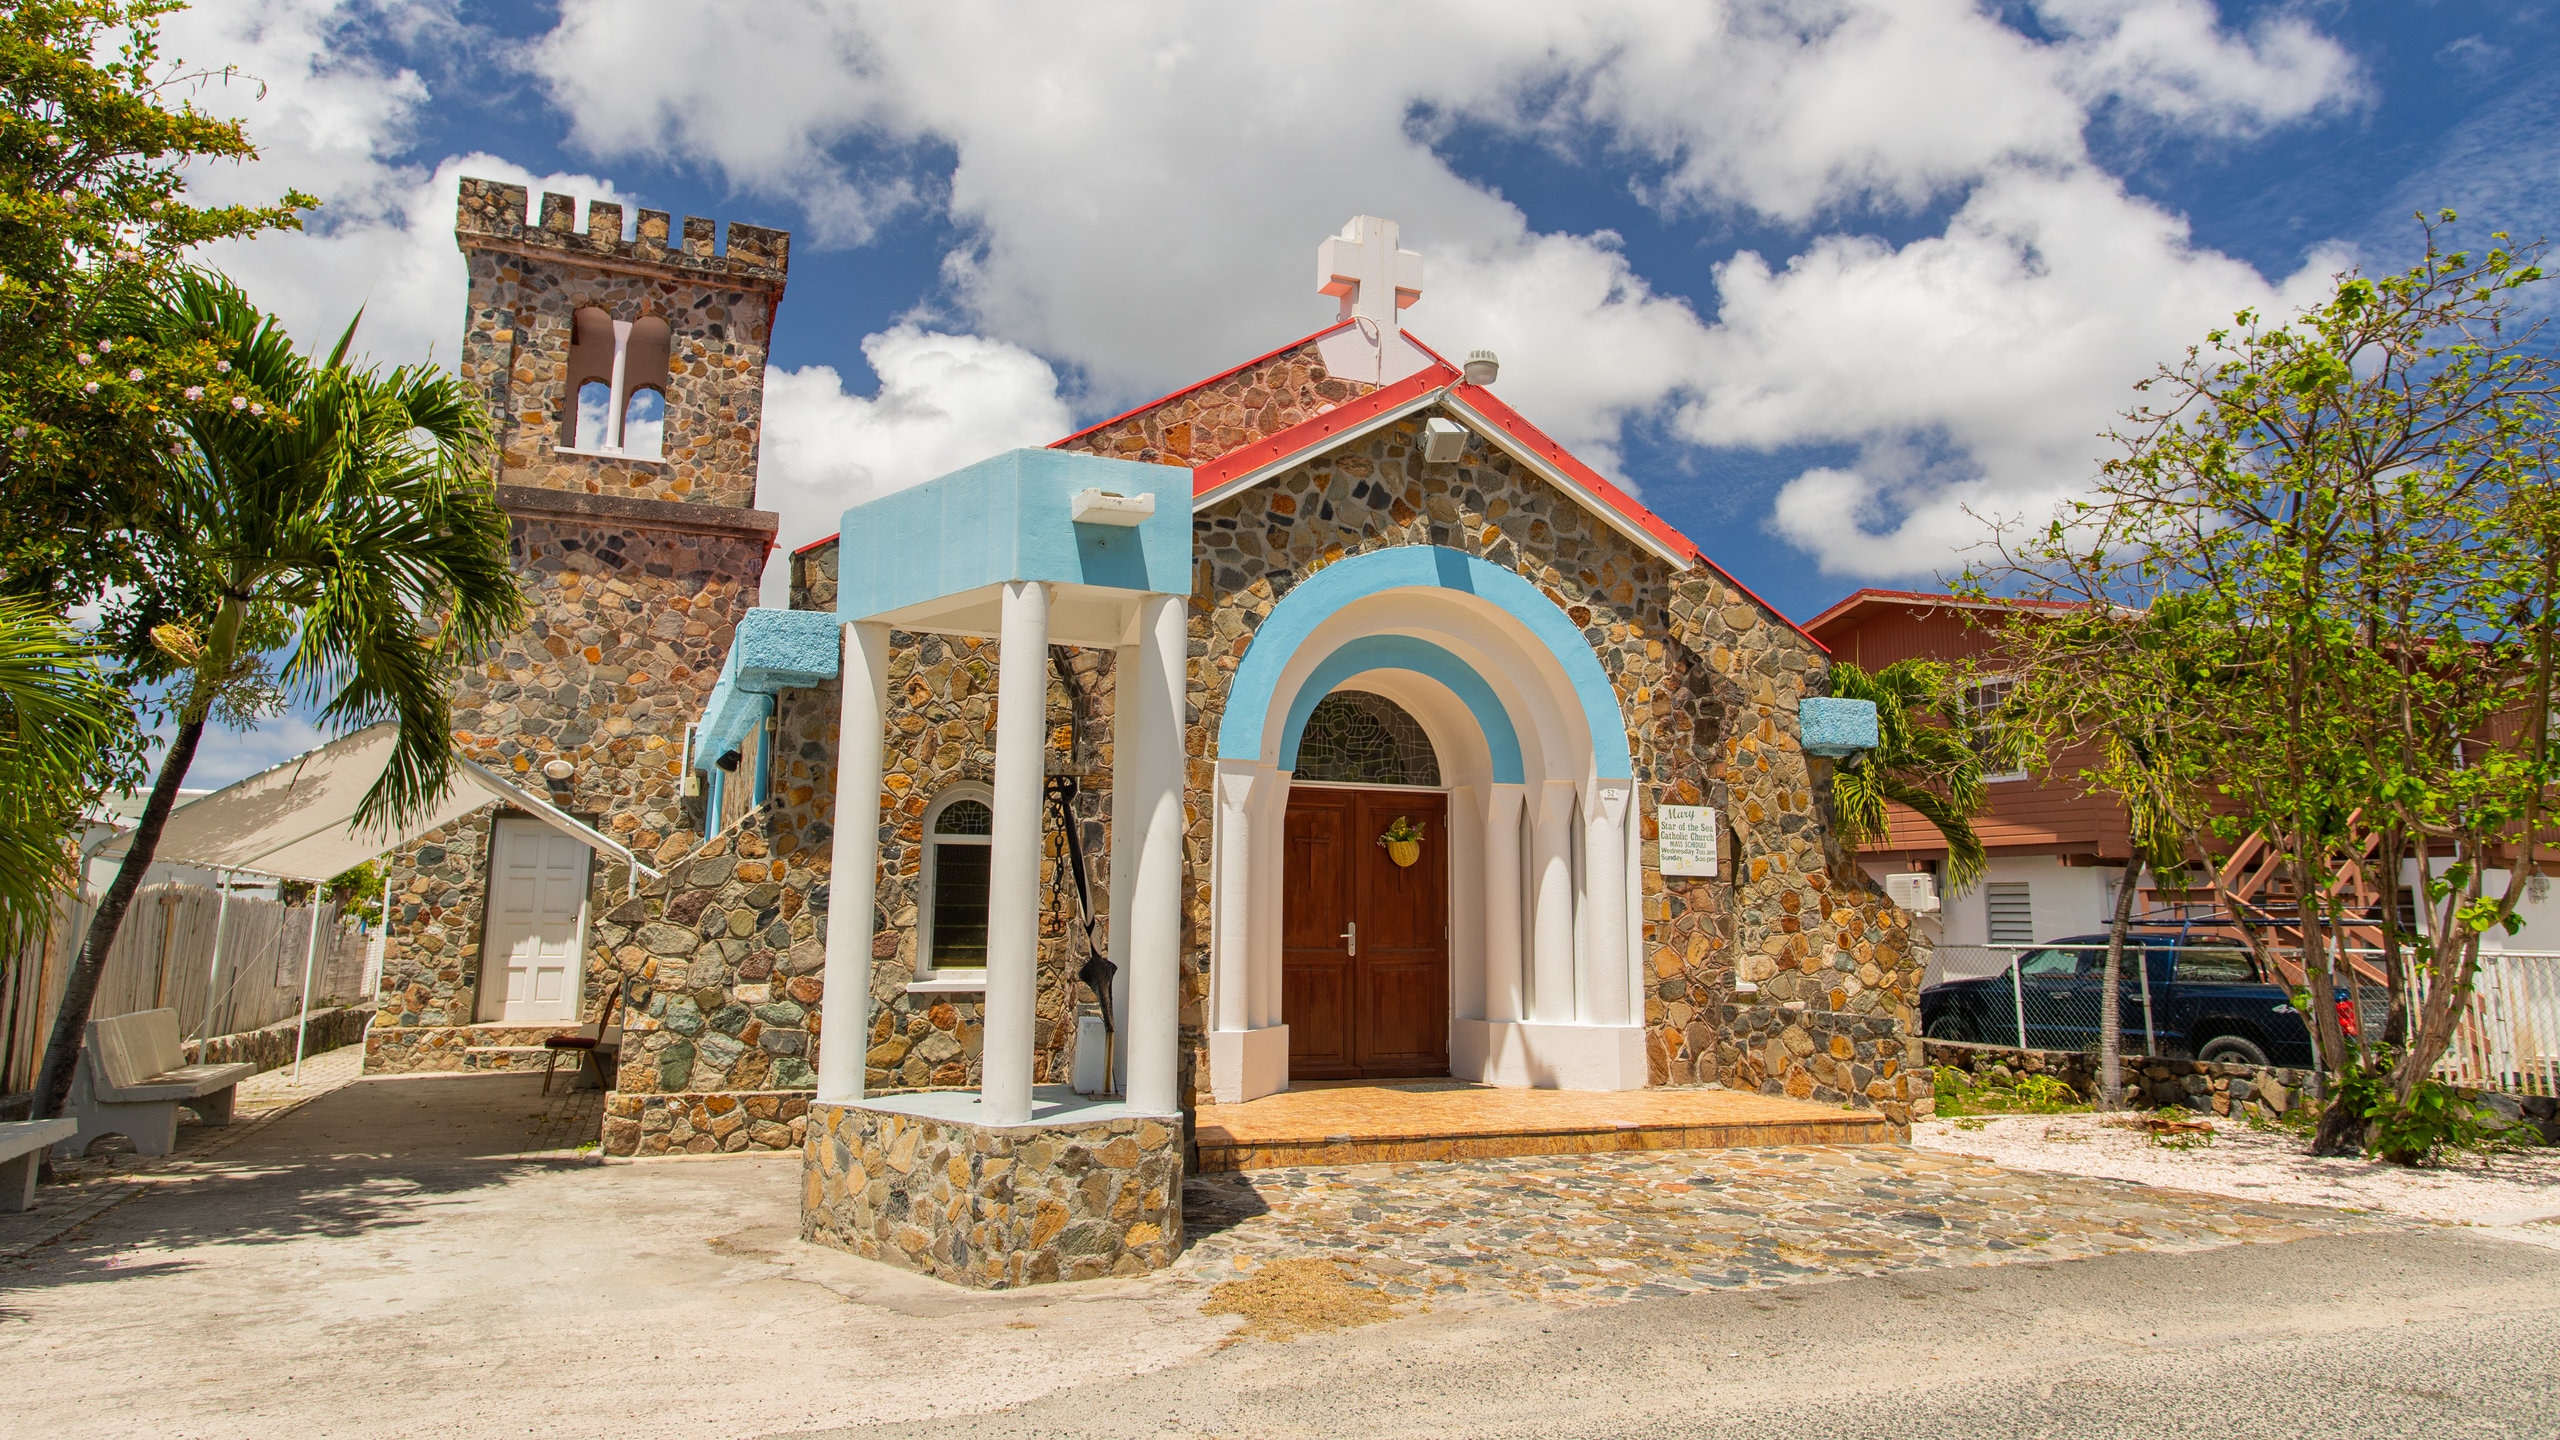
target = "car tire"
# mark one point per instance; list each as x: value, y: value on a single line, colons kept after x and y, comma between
x: 2232, y: 1050
x: 1951, y: 1028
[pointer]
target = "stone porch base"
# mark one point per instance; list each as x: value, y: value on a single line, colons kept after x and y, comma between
x: 717, y: 1123
x: 1086, y: 1190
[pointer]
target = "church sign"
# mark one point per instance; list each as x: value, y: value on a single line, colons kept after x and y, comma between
x: 1688, y: 839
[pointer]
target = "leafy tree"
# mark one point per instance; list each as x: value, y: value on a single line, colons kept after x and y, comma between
x: 2114, y: 701
x: 2354, y: 509
x: 60, y: 724
x: 1920, y: 762
x: 354, y: 531
x: 94, y: 140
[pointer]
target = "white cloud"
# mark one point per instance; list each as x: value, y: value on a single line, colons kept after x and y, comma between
x: 324, y: 119
x: 1974, y: 369
x: 1140, y: 187
x: 944, y: 402
x: 2174, y: 59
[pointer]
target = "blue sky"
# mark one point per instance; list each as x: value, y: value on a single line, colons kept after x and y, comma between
x: 1825, y: 282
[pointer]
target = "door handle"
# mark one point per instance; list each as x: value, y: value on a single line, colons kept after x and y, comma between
x: 1352, y: 935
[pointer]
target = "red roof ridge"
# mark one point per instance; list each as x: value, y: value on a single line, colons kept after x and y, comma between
x: 1307, y: 434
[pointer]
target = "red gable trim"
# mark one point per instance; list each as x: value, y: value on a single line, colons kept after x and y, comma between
x: 814, y: 544
x: 1482, y: 404
x: 1171, y: 396
x: 1309, y: 436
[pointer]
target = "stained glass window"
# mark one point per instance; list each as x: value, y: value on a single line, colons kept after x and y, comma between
x: 1357, y: 738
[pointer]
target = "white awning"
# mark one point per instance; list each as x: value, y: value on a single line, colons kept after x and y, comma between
x: 296, y: 820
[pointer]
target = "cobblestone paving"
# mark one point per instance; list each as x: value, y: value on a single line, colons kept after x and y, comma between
x: 1591, y: 1230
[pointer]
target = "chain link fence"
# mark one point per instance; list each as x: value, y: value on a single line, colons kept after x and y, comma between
x: 2200, y: 1001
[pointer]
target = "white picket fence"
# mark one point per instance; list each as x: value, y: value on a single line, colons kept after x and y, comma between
x: 164, y: 957
x: 2509, y: 1035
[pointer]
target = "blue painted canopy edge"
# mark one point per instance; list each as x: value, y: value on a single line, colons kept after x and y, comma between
x: 1006, y: 518
x: 1836, y: 727
x: 772, y: 651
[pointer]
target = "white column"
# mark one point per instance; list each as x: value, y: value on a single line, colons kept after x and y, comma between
x: 1271, y: 821
x: 1551, y: 915
x: 1013, y: 867
x: 1503, y: 987
x: 222, y: 912
x: 1232, y: 951
x: 621, y: 372
x: 853, y: 881
x: 1155, y: 901
x: 1128, y: 834
x: 1604, y: 880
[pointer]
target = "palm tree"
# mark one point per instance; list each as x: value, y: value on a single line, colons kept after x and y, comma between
x: 58, y: 719
x: 1920, y: 762
x: 346, y: 520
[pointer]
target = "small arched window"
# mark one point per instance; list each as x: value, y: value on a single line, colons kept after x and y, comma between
x: 644, y: 421
x: 618, y: 379
x: 959, y: 828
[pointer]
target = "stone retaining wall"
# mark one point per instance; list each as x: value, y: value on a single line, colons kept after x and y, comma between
x: 272, y: 1047
x: 994, y: 1208
x: 2263, y: 1091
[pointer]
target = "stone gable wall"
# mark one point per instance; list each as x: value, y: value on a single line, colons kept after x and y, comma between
x: 1197, y: 426
x: 1708, y: 680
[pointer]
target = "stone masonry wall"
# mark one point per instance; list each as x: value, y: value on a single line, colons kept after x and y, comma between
x: 628, y: 626
x: 725, y: 957
x: 994, y: 1208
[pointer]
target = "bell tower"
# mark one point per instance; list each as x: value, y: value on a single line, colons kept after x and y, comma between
x: 624, y: 378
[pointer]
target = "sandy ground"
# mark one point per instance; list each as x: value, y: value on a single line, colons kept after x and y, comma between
x: 2505, y: 1191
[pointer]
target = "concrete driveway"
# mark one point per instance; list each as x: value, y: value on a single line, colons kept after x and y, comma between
x: 425, y: 1255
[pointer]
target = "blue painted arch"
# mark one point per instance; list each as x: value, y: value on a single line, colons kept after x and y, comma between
x: 1404, y: 652
x: 1436, y: 567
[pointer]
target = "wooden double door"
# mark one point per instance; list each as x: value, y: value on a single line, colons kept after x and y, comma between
x: 1364, y: 982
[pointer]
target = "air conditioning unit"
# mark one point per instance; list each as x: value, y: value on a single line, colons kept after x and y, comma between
x: 1915, y: 891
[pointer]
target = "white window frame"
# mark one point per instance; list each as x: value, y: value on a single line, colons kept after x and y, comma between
x: 956, y: 980
x: 1974, y: 708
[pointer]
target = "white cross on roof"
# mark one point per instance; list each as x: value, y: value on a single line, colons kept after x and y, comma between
x: 1364, y: 268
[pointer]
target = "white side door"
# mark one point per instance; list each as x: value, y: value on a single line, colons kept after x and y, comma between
x: 537, y: 925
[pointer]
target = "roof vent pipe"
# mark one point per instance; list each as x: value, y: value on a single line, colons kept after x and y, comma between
x: 1482, y: 367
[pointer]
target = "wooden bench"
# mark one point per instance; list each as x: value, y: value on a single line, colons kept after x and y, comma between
x: 133, y: 1076
x: 22, y: 1144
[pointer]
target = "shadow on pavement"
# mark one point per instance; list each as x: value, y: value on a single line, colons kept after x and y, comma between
x: 371, y: 1157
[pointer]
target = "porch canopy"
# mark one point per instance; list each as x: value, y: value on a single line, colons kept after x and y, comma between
x: 296, y: 820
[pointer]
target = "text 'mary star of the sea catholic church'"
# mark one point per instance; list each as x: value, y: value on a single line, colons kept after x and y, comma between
x: 1393, y: 739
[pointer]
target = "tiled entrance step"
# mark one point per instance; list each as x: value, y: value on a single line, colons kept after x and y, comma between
x: 1366, y: 1122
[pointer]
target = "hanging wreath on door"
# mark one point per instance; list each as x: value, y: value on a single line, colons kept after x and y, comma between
x: 1403, y: 841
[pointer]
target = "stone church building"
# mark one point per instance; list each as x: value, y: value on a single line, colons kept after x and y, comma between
x: 1369, y: 733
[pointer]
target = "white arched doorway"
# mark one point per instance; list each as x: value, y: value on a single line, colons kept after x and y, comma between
x: 1541, y: 892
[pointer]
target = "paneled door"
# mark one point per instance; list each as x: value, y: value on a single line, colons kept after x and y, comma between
x: 1365, y: 954
x: 537, y: 925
